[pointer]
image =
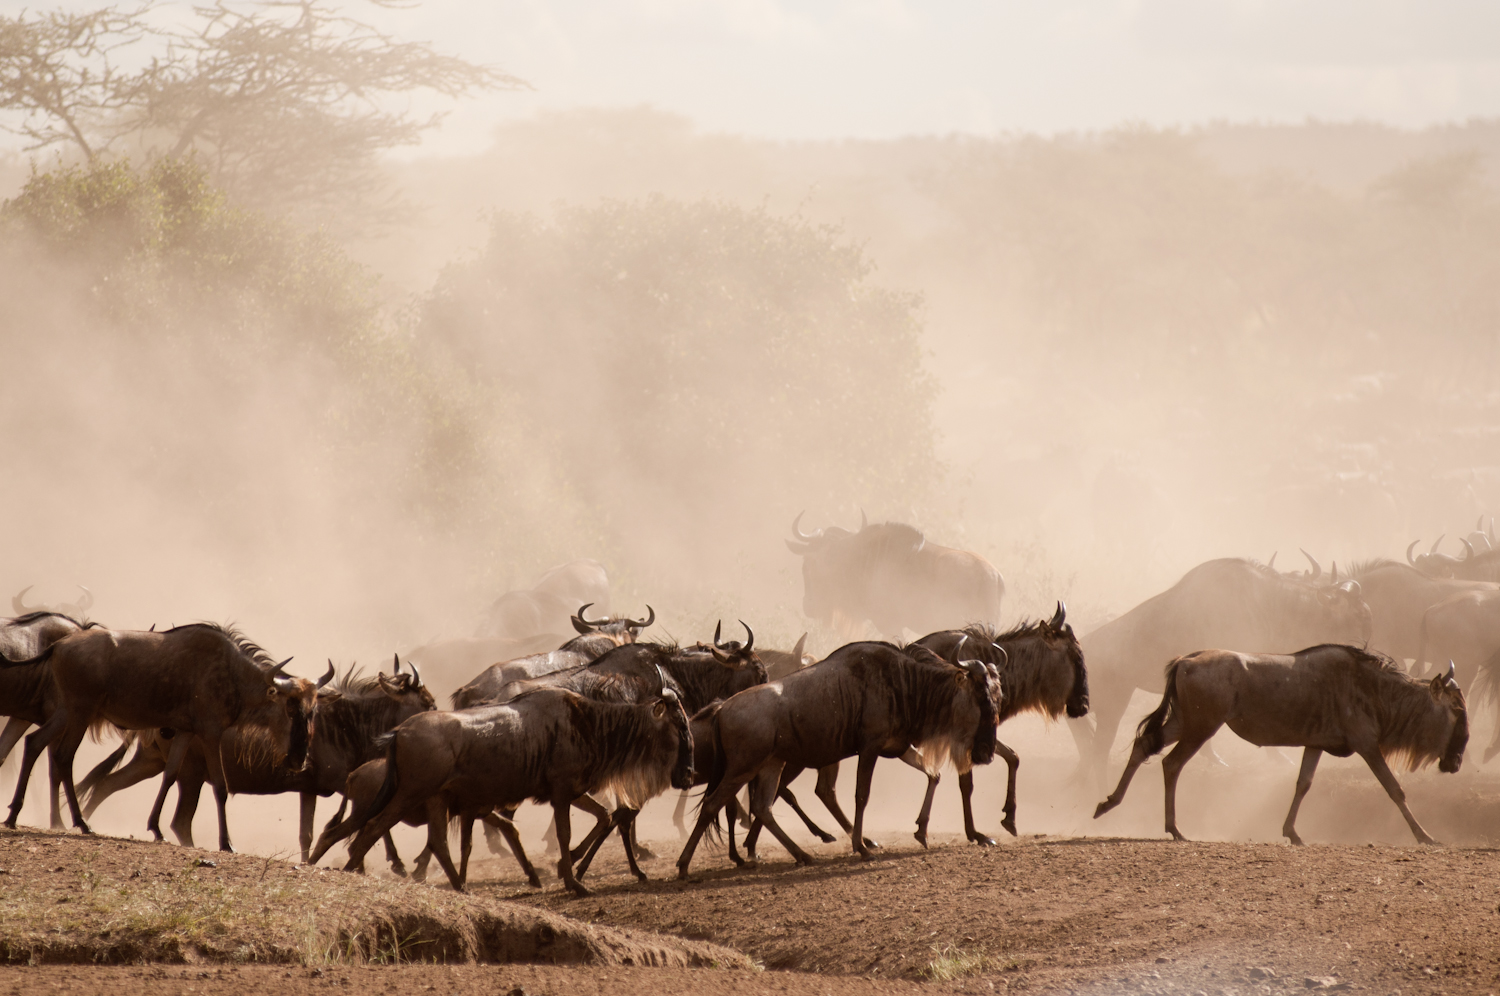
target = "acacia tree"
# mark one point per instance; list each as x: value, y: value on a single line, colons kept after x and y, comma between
x: 284, y: 102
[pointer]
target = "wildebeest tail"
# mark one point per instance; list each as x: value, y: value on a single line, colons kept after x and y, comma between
x: 1148, y: 735
x: 107, y: 766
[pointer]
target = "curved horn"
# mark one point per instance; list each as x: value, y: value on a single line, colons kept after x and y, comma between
x: 797, y: 531
x: 1059, y: 616
x: 1468, y: 549
x: 797, y: 650
x: 749, y: 638
x: 18, y: 602
x: 1435, y: 544
x: 1352, y: 587
x: 1449, y: 675
x: 416, y: 676
x: 87, y: 601
x: 327, y: 677
x: 718, y: 626
x: 662, y: 677
x: 1334, y: 580
x: 1272, y: 562
x: 976, y: 670
x: 591, y: 624
x: 395, y: 663
x: 645, y: 623
x: 1317, y: 569
x: 280, y: 668
x: 864, y: 520
x: 1412, y: 546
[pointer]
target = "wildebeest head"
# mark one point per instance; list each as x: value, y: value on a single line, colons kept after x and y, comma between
x: 620, y: 629
x: 983, y: 682
x: 405, y: 689
x: 832, y: 572
x: 670, y: 709
x: 739, y: 656
x: 1345, y: 609
x: 298, y: 698
x: 1445, y: 691
x: 76, y: 610
x: 1061, y: 633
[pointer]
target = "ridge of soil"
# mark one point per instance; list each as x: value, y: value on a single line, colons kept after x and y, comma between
x: 97, y: 900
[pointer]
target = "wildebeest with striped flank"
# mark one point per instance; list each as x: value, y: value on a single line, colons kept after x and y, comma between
x: 865, y: 700
x: 199, y: 680
x: 1330, y: 699
x: 550, y: 744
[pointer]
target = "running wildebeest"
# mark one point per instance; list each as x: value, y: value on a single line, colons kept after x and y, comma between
x: 27, y: 694
x: 1338, y: 699
x: 199, y: 680
x: 889, y: 574
x: 594, y: 639
x: 550, y: 745
x: 351, y: 712
x: 1224, y: 603
x: 865, y: 700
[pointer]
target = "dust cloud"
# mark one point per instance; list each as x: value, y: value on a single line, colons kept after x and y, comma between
x: 1097, y: 360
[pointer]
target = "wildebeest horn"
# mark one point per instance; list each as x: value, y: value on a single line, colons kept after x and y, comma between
x: 797, y: 531
x: 749, y: 638
x: 395, y: 663
x: 1435, y: 544
x: 280, y: 668
x: 416, y: 676
x: 589, y: 622
x: 1272, y: 562
x: 1450, y: 670
x: 1352, y: 587
x: 797, y: 649
x: 976, y: 670
x: 1317, y: 569
x: 1334, y: 579
x: 717, y: 627
x: 662, y: 677
x: 327, y: 677
x: 646, y: 622
x: 18, y: 602
x: 1468, y: 548
x: 864, y: 520
x: 87, y: 601
x: 1059, y: 616
x: 1412, y: 546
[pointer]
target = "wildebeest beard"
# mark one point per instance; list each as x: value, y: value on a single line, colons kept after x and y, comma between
x: 1458, y: 741
x: 258, y: 743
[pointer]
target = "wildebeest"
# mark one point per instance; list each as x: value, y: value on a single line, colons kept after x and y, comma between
x: 27, y: 694
x: 1398, y: 597
x: 593, y: 640
x: 1480, y: 562
x: 199, y: 680
x: 889, y: 574
x: 352, y: 712
x: 865, y: 700
x: 546, y: 606
x: 1220, y: 603
x: 550, y: 744
x: 1338, y: 699
x: 76, y: 610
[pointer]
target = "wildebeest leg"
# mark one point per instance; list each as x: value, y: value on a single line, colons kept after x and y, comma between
x: 864, y: 774
x: 35, y: 744
x: 1171, y: 767
x: 503, y: 825
x: 419, y: 866
x: 437, y: 839
x: 338, y: 817
x: 1108, y: 710
x: 1310, y: 758
x: 189, y: 789
x: 465, y: 845
x: 54, y: 785
x: 175, y: 754
x: 678, y: 814
x: 762, y: 795
x: 1138, y: 755
x: 603, y: 825
x: 1012, y: 764
x: 392, y: 857
x: 912, y: 758
x: 211, y: 753
x: 707, y: 810
x: 15, y: 729
x: 561, y: 818
x: 827, y: 782
x: 785, y: 794
x: 306, y: 815
x: 635, y: 847
x: 1393, y: 789
x: 103, y: 781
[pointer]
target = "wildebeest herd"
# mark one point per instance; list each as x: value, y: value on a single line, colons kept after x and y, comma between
x: 604, y: 722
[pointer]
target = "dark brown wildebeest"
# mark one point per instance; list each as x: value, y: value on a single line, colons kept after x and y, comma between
x: 1335, y: 699
x: 550, y: 745
x: 75, y: 610
x: 1221, y: 603
x: 200, y: 680
x: 594, y: 639
x: 890, y: 575
x: 27, y: 694
x: 865, y: 700
x: 352, y: 713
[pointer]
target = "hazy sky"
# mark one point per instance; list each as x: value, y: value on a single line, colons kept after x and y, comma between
x: 879, y: 68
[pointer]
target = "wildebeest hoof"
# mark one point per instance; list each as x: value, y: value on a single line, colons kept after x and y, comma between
x: 1177, y: 836
x: 826, y: 837
x: 644, y: 853
x: 398, y: 870
x: 873, y: 845
x: 1009, y: 825
x: 641, y: 877
x: 921, y: 836
x: 534, y: 881
x: 1294, y: 840
x: 986, y: 841
x: 1103, y: 808
x: 579, y: 890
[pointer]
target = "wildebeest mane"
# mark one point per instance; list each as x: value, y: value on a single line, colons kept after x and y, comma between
x: 249, y: 648
x: 31, y: 617
x: 922, y: 683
